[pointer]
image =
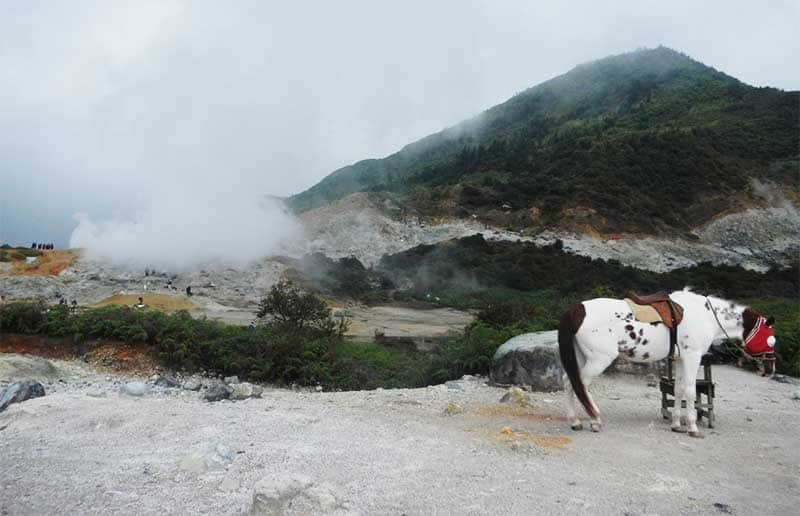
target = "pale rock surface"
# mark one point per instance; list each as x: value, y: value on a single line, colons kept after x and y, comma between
x: 530, y: 359
x: 15, y: 367
x: 244, y: 390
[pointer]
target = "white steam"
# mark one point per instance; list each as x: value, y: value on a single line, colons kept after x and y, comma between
x: 180, y: 229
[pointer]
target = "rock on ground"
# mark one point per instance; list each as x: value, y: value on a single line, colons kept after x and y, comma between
x: 192, y: 384
x: 293, y: 494
x: 529, y: 359
x: 244, y: 390
x: 217, y: 392
x: 15, y: 367
x: 19, y: 392
x: 134, y: 389
x: 166, y: 382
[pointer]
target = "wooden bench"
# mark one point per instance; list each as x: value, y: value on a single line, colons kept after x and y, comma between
x: 704, y: 387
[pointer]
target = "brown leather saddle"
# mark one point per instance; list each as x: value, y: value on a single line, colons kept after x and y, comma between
x: 670, y: 313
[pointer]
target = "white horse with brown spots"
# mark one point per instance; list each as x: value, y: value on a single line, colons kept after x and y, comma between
x: 593, y: 333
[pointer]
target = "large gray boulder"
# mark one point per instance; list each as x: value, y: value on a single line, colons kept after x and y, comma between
x: 14, y: 368
x: 19, y: 392
x: 530, y: 359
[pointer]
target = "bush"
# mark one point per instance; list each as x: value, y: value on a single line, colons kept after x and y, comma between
x: 470, y: 353
x: 295, y: 311
x: 25, y: 317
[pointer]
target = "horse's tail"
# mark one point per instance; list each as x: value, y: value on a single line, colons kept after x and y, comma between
x: 570, y: 323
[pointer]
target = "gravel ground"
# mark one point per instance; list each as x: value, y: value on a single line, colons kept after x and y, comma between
x: 85, y: 448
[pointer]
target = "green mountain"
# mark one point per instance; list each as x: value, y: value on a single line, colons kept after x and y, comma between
x: 649, y: 141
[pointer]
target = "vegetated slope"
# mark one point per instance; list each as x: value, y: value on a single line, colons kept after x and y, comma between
x: 649, y: 141
x: 466, y: 271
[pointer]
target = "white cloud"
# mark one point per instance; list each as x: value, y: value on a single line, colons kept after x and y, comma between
x: 105, y: 102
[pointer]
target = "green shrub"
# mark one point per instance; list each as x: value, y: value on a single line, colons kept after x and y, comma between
x: 470, y: 353
x: 23, y: 317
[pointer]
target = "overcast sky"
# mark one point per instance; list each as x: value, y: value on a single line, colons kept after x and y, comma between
x: 109, y: 108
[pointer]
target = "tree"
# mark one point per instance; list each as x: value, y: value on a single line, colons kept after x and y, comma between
x: 296, y: 311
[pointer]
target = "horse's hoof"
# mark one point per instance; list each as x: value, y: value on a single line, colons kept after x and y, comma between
x: 697, y: 434
x: 678, y: 429
x: 577, y: 426
x: 595, y: 427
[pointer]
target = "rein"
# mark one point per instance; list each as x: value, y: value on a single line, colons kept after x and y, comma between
x: 714, y: 311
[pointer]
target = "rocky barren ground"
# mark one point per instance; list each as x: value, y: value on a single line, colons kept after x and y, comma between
x: 89, y: 448
x: 368, y: 226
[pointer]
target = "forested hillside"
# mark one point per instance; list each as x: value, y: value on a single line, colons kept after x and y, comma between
x: 650, y: 141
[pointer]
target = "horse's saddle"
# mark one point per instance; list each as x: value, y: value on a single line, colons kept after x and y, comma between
x: 655, y: 308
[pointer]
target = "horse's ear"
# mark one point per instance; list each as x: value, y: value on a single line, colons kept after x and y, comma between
x: 770, y: 321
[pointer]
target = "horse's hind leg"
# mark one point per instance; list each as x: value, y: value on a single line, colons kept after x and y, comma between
x: 574, y: 422
x: 591, y: 370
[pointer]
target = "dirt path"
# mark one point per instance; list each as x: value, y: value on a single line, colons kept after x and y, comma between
x: 85, y: 448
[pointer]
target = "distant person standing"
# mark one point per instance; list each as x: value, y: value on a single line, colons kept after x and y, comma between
x: 33, y: 245
x: 251, y: 327
x: 189, y: 291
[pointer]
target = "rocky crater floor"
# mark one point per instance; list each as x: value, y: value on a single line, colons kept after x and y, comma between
x: 92, y: 445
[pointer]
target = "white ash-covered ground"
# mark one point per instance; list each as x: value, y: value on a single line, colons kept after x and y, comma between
x: 86, y: 448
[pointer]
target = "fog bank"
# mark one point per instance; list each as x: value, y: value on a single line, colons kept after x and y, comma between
x: 179, y: 230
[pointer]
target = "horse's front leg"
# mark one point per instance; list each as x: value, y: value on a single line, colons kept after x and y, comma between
x: 690, y: 365
x: 678, y: 421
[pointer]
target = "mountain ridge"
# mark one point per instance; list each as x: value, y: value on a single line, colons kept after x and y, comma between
x: 553, y: 152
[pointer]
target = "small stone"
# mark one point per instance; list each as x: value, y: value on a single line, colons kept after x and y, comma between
x: 134, y: 389
x: 192, y: 384
x: 244, y: 390
x: 651, y: 379
x: 166, y: 382
x: 219, y: 455
x: 517, y: 396
x: 231, y: 380
x: 217, y: 392
x: 796, y: 394
x: 452, y: 409
x: 455, y: 386
x: 318, y: 388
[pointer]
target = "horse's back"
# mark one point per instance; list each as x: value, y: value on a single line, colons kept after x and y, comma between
x: 606, y: 309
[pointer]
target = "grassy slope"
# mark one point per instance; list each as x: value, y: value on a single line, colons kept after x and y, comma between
x: 646, y: 141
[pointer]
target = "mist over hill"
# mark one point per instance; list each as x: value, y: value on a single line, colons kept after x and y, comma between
x: 650, y: 141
